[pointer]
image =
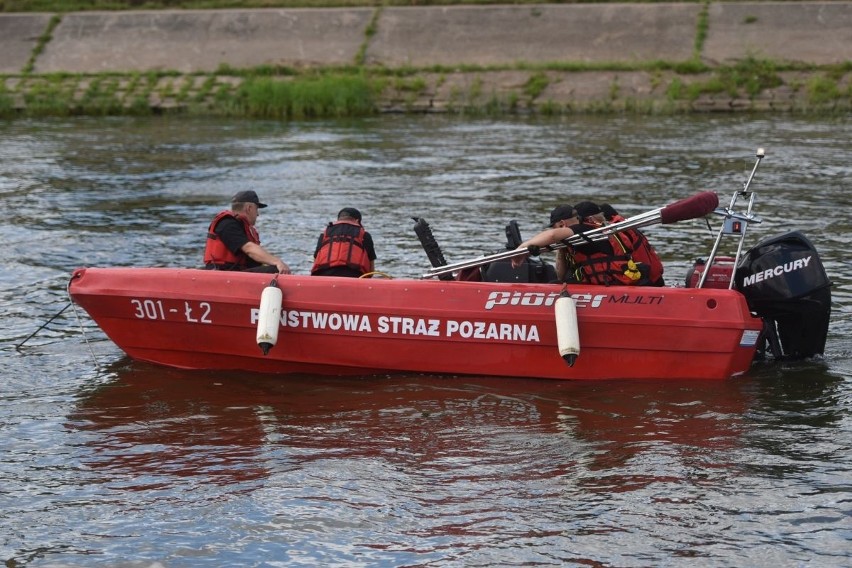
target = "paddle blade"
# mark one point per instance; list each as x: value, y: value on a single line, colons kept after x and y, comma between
x: 698, y: 205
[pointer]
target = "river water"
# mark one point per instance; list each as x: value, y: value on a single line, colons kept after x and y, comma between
x: 107, y: 462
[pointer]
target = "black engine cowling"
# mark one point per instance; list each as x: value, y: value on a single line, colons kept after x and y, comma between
x: 785, y: 283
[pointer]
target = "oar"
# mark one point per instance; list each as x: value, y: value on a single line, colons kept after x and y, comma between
x: 698, y: 205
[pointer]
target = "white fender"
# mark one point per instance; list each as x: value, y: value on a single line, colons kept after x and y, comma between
x: 567, y: 334
x: 269, y: 317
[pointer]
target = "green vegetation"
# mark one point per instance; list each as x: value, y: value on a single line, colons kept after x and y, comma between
x: 362, y: 88
x: 42, y: 41
x: 701, y: 31
x: 536, y: 84
x: 336, y: 96
x: 747, y: 78
x: 822, y: 90
x: 372, y: 28
x: 285, y: 94
x: 7, y: 103
x: 260, y: 96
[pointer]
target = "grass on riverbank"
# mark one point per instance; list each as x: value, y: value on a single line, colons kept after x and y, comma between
x: 284, y: 94
x: 326, y: 96
x: 332, y: 95
x: 361, y: 89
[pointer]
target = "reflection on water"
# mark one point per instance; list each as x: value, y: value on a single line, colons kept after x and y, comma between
x: 407, y: 420
x: 427, y: 469
x: 129, y: 463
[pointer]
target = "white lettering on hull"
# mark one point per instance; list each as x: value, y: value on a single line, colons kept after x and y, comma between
x: 540, y: 299
x: 408, y: 326
x: 492, y: 330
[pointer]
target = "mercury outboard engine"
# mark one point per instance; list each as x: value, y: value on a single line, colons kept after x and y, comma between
x: 785, y: 283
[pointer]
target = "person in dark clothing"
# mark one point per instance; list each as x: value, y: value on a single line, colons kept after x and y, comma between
x: 564, y: 223
x: 234, y: 244
x: 632, y: 259
x: 625, y: 258
x: 609, y: 212
x: 344, y: 248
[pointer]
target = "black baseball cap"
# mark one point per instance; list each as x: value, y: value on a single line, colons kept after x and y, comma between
x: 608, y: 211
x: 247, y: 197
x: 587, y: 209
x: 561, y: 213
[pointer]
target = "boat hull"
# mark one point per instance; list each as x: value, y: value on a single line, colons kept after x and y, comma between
x: 198, y: 319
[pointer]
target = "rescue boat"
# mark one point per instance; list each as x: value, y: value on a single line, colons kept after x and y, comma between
x: 772, y: 301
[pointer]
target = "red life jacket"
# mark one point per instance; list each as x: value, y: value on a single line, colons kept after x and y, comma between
x: 644, y: 253
x: 215, y: 252
x: 342, y: 245
x: 633, y: 261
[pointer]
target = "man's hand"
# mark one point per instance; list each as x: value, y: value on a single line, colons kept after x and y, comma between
x: 519, y: 260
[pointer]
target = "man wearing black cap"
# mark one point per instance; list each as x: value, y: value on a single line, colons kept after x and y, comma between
x: 561, y: 215
x: 344, y: 248
x: 625, y: 258
x: 565, y: 221
x: 633, y: 259
x: 233, y: 242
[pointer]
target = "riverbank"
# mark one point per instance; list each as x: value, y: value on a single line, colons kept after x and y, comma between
x: 548, y: 59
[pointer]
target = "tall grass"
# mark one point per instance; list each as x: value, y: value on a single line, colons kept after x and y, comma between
x: 7, y: 103
x: 325, y: 96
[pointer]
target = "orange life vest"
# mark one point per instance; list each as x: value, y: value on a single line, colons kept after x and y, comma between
x: 215, y: 252
x: 633, y: 261
x: 644, y: 253
x: 342, y: 245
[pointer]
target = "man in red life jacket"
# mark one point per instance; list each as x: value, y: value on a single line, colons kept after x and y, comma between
x: 632, y: 260
x: 567, y: 217
x: 344, y: 248
x: 626, y: 258
x: 563, y: 216
x: 233, y: 242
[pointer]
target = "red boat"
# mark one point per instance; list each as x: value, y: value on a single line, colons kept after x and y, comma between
x: 775, y: 300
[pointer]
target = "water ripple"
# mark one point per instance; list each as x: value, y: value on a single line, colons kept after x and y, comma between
x: 123, y: 464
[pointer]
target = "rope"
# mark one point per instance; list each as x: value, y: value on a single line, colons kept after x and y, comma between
x: 376, y: 273
x: 82, y: 329
x: 45, y: 324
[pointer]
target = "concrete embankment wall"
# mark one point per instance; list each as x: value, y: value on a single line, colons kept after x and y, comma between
x: 492, y: 49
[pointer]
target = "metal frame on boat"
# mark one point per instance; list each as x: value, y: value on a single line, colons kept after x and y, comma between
x: 711, y: 328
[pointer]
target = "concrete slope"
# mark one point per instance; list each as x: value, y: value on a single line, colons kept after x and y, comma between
x: 503, y: 35
x: 811, y: 32
x: 206, y: 40
x: 203, y: 40
x: 19, y: 35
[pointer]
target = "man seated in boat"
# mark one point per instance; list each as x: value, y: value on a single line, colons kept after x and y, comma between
x: 233, y: 242
x: 344, y: 248
x: 625, y: 258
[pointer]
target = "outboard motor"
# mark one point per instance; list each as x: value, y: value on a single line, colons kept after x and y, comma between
x: 785, y: 283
